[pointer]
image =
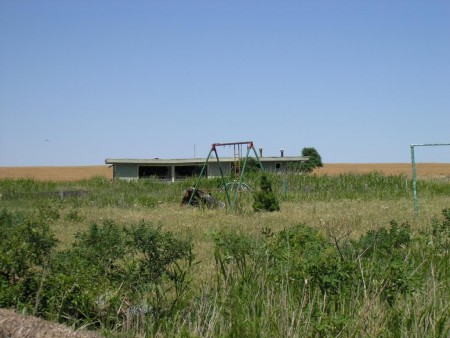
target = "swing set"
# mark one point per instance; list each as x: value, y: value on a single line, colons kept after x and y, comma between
x: 232, y: 189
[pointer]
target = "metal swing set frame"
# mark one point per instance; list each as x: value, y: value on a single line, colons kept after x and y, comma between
x: 239, y: 164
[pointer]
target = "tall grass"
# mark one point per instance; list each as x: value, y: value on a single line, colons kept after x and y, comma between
x: 100, y: 192
x: 346, y: 186
x: 330, y: 263
x: 291, y: 188
x: 295, y: 284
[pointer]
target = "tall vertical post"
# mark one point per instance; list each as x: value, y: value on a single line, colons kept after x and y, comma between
x: 413, y: 163
x: 257, y: 157
x: 221, y: 175
x: 236, y: 193
x: 172, y: 173
x: 200, y: 176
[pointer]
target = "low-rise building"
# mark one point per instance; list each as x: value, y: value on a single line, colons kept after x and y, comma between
x: 180, y: 169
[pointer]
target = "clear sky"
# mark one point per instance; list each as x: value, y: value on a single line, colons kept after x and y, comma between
x: 82, y: 81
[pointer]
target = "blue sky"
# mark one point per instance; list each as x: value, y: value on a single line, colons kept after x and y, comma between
x: 81, y: 81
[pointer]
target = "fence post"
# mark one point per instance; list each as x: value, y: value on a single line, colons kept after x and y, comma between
x: 413, y: 162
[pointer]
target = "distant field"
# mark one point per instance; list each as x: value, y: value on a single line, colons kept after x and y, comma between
x: 56, y: 173
x: 424, y: 170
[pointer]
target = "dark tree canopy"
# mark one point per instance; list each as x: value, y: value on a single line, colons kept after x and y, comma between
x: 315, y: 160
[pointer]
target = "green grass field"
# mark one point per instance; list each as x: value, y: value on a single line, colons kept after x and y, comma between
x: 345, y: 256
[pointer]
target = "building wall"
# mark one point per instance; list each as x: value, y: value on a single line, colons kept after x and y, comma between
x: 274, y: 166
x: 129, y: 171
x: 214, y: 170
x: 126, y: 171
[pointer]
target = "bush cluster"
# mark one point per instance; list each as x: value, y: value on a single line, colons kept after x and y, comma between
x: 334, y: 281
x: 265, y: 199
x: 112, y: 274
x: 136, y: 280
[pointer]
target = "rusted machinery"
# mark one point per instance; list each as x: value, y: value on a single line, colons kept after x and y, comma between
x: 199, y: 198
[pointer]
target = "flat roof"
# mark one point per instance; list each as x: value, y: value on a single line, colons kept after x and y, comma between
x: 198, y: 161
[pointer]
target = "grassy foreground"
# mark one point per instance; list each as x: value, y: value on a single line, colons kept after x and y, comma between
x: 345, y: 256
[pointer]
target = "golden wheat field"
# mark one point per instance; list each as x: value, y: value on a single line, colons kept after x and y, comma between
x: 74, y: 173
x: 424, y: 170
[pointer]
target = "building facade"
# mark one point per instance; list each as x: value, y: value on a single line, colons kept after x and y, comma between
x: 181, y: 169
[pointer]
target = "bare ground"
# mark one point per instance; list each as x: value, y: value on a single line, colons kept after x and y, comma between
x: 14, y: 325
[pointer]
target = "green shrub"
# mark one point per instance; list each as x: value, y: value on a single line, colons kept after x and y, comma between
x: 74, y: 215
x: 111, y: 264
x: 299, y: 269
x: 384, y: 254
x: 441, y: 232
x: 265, y: 198
x: 48, y: 212
x: 26, y: 244
x: 156, y: 251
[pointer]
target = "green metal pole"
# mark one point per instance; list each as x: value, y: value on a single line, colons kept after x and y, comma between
x: 223, y: 178
x: 236, y: 193
x: 413, y: 162
x: 200, y: 177
x: 256, y: 155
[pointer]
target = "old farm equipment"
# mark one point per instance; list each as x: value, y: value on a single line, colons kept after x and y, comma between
x: 199, y: 198
x: 232, y: 189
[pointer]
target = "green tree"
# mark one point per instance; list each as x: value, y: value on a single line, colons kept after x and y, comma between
x: 314, y: 161
x: 252, y: 165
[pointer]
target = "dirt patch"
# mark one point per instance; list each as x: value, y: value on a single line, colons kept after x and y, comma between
x: 14, y: 325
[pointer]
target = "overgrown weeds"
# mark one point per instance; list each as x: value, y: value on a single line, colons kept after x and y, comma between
x: 126, y: 277
x: 320, y: 288
x: 132, y: 280
x: 148, y: 193
x: 112, y: 275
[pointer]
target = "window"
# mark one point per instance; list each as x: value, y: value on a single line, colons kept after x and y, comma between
x: 187, y: 171
x: 159, y: 172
